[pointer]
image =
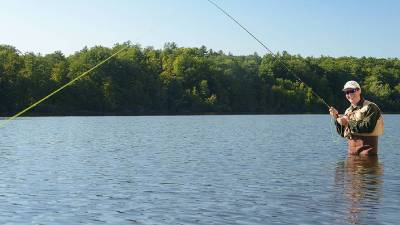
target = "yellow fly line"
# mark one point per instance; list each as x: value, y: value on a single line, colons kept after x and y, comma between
x: 9, y: 119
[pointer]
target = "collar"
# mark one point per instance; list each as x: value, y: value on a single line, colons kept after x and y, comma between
x: 359, y: 104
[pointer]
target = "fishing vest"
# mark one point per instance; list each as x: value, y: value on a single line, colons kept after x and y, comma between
x: 358, y: 115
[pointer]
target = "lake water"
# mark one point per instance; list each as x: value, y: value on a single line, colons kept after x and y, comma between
x: 266, y: 169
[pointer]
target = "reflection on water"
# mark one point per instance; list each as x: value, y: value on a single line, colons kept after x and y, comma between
x: 232, y: 170
x: 359, y: 181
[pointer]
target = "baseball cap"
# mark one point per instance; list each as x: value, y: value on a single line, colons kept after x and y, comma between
x: 351, y: 85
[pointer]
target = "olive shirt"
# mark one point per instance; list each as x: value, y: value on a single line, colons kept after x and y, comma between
x: 367, y: 119
x: 368, y: 122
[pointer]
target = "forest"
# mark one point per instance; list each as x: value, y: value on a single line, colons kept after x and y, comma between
x: 197, y: 80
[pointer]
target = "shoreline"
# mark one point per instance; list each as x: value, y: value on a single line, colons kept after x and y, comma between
x: 91, y: 114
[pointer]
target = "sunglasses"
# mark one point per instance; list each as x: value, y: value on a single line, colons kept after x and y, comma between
x: 352, y: 91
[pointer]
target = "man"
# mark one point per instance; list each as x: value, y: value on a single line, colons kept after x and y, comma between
x: 361, y: 123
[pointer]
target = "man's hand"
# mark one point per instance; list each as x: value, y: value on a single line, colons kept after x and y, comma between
x: 343, y: 120
x: 334, y: 113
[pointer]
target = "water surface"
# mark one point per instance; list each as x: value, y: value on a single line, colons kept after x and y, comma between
x: 286, y: 169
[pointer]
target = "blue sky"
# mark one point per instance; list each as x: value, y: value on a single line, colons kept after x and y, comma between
x: 305, y: 27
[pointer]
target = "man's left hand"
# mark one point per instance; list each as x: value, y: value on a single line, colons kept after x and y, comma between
x: 343, y: 120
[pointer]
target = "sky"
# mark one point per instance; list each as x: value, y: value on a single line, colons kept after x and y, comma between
x: 305, y: 27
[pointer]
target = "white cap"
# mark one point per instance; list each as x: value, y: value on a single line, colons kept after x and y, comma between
x: 351, y: 85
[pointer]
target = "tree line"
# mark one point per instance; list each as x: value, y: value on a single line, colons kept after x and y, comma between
x: 179, y: 80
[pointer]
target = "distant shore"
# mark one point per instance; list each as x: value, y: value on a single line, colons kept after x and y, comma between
x: 85, y: 113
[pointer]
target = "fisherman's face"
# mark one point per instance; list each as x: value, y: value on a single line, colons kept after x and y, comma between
x: 353, y: 95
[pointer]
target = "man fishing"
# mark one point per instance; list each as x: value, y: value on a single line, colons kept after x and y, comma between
x: 361, y: 123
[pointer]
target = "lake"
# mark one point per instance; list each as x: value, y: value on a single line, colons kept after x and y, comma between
x: 250, y: 169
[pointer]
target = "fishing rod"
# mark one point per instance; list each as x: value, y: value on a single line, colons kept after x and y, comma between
x: 262, y: 44
x: 7, y: 120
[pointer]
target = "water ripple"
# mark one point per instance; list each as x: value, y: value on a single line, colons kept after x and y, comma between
x: 192, y: 170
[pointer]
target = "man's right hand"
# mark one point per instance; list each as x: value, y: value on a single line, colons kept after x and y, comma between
x: 334, y: 113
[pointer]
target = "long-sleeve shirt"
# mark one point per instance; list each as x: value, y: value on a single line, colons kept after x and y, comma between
x: 368, y: 116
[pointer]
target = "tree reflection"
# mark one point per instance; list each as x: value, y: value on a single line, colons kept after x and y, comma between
x: 359, y: 179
